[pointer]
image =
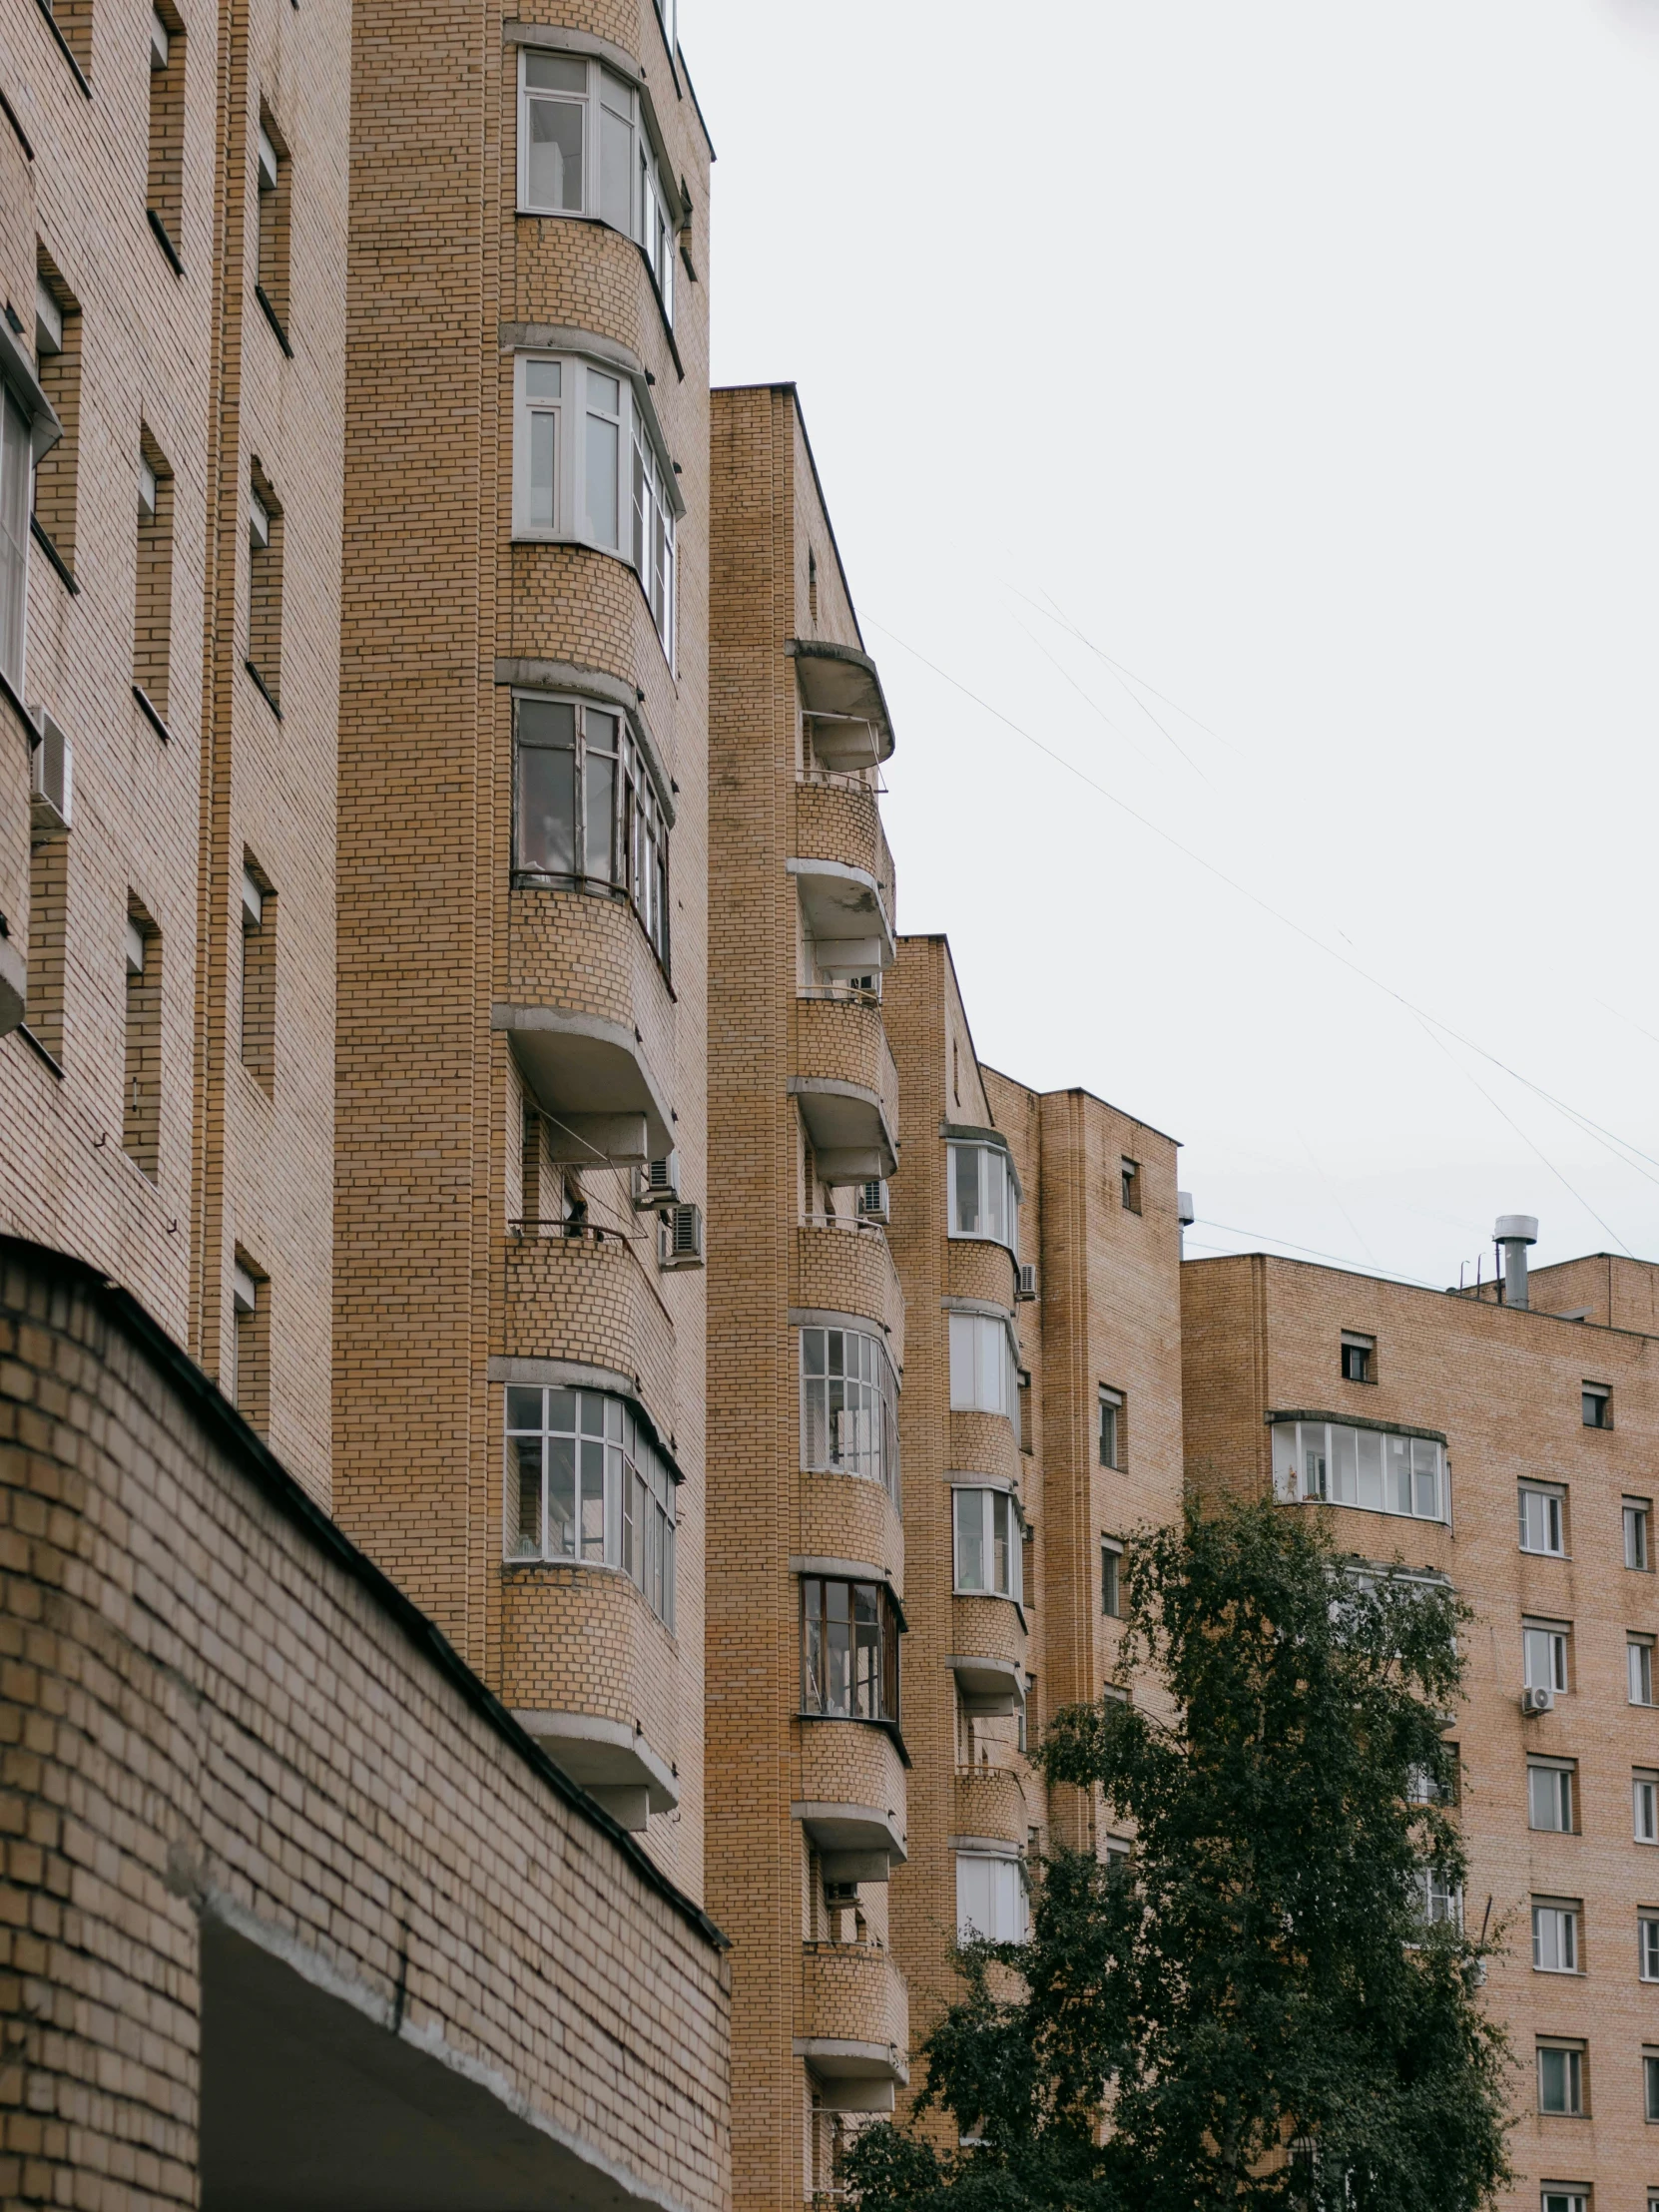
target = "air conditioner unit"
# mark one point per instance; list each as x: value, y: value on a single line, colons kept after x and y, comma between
x: 51, y: 780
x: 657, y: 1183
x: 680, y: 1237
x: 873, y: 1201
x: 1538, y: 1701
x: 1027, y: 1279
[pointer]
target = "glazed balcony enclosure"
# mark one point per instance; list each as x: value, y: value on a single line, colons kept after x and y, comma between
x: 841, y: 703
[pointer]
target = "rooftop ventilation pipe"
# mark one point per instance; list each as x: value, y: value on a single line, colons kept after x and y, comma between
x: 1183, y: 1215
x: 1514, y: 1232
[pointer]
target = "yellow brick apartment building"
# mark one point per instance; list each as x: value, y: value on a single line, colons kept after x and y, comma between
x: 501, y: 1235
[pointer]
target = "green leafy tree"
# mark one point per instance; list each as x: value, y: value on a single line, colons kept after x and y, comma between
x: 1261, y: 2010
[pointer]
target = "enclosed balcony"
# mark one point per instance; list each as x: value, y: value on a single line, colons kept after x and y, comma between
x: 846, y: 1089
x: 842, y: 699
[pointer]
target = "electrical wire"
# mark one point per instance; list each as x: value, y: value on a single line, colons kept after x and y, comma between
x: 1620, y: 1147
x: 1337, y: 1259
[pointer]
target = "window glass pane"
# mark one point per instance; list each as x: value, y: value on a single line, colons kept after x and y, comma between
x: 542, y: 380
x: 1369, y: 1489
x: 600, y: 480
x: 1284, y: 1459
x: 1647, y: 1940
x: 970, y: 1539
x: 1646, y: 1794
x: 1396, y: 1452
x: 554, y: 72
x: 554, y: 166
x: 1001, y: 1532
x: 524, y: 1408
x: 526, y: 1543
x: 615, y: 167
x: 16, y: 471
x: 1345, y: 1466
x: 546, y: 808
x: 1425, y: 1478
x: 541, y: 514
x: 599, y: 771
x: 615, y: 93
x: 964, y: 1170
x: 1314, y: 1465
x: 561, y: 1497
x: 604, y: 393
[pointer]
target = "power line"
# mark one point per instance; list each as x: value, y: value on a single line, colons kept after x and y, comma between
x: 1620, y: 1147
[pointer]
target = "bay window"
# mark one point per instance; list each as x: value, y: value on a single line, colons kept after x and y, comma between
x: 984, y: 1194
x: 990, y: 1898
x: 589, y: 467
x: 848, y: 1650
x: 586, y: 810
x: 584, y: 149
x: 984, y: 1374
x: 849, y: 1406
x: 990, y: 1544
x: 586, y: 1483
x: 1377, y: 1471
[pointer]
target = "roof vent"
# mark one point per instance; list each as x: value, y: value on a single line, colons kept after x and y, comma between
x: 1514, y: 1232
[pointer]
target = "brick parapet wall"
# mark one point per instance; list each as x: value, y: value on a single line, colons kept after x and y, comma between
x: 216, y: 1704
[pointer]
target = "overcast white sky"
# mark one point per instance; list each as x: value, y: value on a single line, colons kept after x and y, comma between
x: 1302, y: 358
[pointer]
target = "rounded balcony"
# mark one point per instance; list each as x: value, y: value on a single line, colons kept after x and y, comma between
x: 845, y: 1266
x: 854, y: 2026
x: 591, y: 1297
x: 990, y: 1805
x: 845, y: 1088
x: 838, y: 817
x: 985, y: 1444
x: 847, y: 1516
x: 850, y: 1775
x: 976, y: 1268
x: 987, y: 1654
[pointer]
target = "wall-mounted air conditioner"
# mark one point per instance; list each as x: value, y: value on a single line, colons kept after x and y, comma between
x: 680, y: 1237
x: 1538, y: 1701
x: 657, y: 1183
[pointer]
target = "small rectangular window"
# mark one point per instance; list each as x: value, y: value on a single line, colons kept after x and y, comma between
x: 141, y: 1120
x: 1647, y: 1945
x: 1638, y: 1653
x: 265, y: 587
x: 1561, y: 2078
x: 16, y: 491
x: 1555, y: 1936
x: 1638, y: 1516
x: 1359, y: 1357
x: 1544, y: 1655
x: 1111, y: 1429
x: 1571, y: 2200
x: 1549, y: 1797
x: 1598, y: 1406
x: 1111, y: 1577
x: 1543, y: 1519
x: 165, y: 179
x: 1129, y: 1184
x: 270, y: 283
x: 1644, y: 1791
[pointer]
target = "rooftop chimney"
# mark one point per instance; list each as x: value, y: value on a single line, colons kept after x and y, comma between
x: 1514, y: 1232
x: 1183, y: 1215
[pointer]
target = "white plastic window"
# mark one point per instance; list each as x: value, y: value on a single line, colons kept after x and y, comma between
x: 1647, y: 1946
x: 15, y: 484
x: 990, y: 1898
x: 585, y: 1482
x: 1638, y: 1653
x: 1544, y: 1658
x: 1637, y: 1513
x: 1542, y: 1521
x: 587, y: 465
x: 1378, y: 1473
x: 849, y: 1406
x: 984, y: 1376
x: 983, y: 1194
x: 1549, y: 1798
x: 584, y: 150
x: 1555, y: 1939
x: 989, y: 1543
x: 1644, y: 1794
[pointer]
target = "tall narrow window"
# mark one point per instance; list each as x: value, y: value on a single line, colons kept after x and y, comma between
x: 141, y: 1119
x: 1638, y: 1652
x: 1549, y: 1795
x: 1111, y: 1577
x: 153, y: 615
x: 271, y: 286
x: 585, y: 1482
x: 167, y: 130
x: 1111, y: 1429
x: 1638, y: 1516
x: 1644, y: 1794
x: 1129, y: 1179
x: 588, y: 810
x: 57, y: 352
x: 16, y: 486
x: 848, y: 1650
x: 259, y: 974
x: 49, y: 818
x: 990, y: 1544
x: 1555, y: 1935
x: 1544, y: 1655
x: 265, y: 588
x: 1647, y: 1945
x: 1597, y: 1405
x: 250, y: 1307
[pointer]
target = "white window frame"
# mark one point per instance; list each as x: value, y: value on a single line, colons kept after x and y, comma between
x: 607, y: 100
x: 848, y: 1421
x: 615, y: 1464
x: 1638, y: 1525
x: 1562, y: 1786
x: 987, y: 1505
x: 17, y: 499
x: 1647, y: 1946
x: 1644, y: 1805
x: 1555, y: 1932
x: 1003, y: 1879
x: 647, y: 505
x: 1573, y: 2200
x: 1638, y: 1665
x: 1111, y: 1548
x: 1544, y: 1656
x: 1109, y: 1402
x: 981, y: 1178
x: 1573, y: 2074
x: 978, y: 1369
x: 1441, y: 1900
x: 1541, y: 1514
x: 1326, y: 1461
